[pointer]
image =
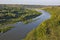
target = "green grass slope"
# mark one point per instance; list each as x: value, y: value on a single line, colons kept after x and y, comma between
x: 49, y: 29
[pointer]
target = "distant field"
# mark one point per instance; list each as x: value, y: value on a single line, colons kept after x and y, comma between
x: 49, y: 29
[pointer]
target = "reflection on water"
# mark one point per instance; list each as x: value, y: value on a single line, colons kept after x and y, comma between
x: 21, y: 29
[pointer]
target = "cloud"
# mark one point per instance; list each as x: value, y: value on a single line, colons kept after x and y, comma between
x: 41, y: 2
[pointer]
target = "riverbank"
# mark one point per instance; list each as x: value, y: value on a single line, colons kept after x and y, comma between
x: 21, y: 30
x: 49, y: 29
x: 11, y: 15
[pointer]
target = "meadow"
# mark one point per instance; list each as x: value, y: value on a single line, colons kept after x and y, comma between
x: 49, y: 29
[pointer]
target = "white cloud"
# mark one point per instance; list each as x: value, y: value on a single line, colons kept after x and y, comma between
x: 44, y: 2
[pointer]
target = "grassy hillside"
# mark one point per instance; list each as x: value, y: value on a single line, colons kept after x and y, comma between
x: 49, y: 29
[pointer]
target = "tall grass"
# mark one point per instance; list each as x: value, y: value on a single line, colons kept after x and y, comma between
x: 49, y: 29
x: 5, y: 29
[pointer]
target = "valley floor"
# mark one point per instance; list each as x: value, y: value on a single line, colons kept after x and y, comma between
x: 49, y: 29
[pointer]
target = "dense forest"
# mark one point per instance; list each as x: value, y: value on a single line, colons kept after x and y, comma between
x: 49, y: 29
x: 13, y: 14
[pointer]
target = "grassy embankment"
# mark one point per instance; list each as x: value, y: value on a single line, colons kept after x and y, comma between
x: 10, y: 15
x: 5, y: 29
x: 49, y: 29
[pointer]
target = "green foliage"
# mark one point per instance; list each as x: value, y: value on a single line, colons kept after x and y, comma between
x: 49, y: 29
x: 9, y: 15
x: 14, y: 14
x: 5, y: 29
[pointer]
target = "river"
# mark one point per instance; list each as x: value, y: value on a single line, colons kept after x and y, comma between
x: 21, y: 30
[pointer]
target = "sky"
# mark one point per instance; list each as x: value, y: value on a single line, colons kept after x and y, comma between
x: 31, y: 2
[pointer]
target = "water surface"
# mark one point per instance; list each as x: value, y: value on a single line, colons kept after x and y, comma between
x: 21, y: 30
